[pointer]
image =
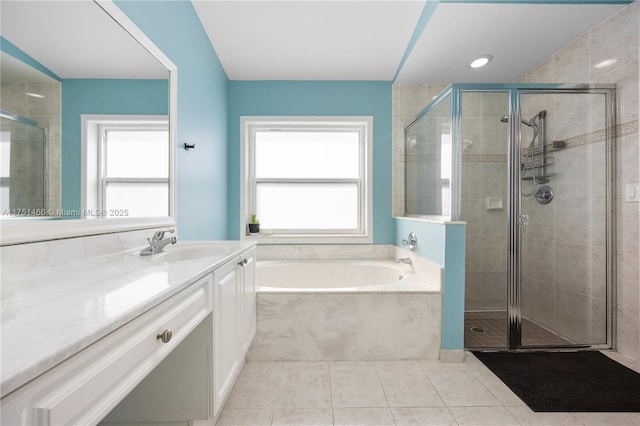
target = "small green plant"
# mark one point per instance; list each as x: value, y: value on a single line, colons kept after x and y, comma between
x: 254, y: 219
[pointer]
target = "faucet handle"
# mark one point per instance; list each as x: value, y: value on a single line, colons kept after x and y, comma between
x: 159, y: 235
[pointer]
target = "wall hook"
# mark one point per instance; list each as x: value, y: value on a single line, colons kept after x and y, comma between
x: 188, y: 146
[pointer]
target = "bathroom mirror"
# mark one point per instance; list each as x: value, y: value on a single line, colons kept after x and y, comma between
x: 60, y: 63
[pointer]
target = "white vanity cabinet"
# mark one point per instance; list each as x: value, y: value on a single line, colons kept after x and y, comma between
x: 175, y: 361
x: 85, y: 387
x: 234, y: 323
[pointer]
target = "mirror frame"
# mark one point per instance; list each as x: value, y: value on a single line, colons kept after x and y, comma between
x: 28, y: 231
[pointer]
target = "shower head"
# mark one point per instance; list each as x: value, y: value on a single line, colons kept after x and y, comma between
x: 505, y: 119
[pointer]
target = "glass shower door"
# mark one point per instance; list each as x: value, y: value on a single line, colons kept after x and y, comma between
x: 484, y: 208
x: 564, y: 203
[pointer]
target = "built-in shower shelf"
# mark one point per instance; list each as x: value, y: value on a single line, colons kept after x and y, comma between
x: 548, y: 162
x: 540, y: 178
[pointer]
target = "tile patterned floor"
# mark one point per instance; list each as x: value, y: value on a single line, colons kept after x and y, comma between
x: 494, y: 331
x: 388, y: 393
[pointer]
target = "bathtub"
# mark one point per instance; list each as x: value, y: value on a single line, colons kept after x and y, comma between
x: 331, y: 276
x: 346, y: 309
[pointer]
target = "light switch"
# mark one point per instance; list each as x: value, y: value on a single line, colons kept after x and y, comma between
x: 632, y: 192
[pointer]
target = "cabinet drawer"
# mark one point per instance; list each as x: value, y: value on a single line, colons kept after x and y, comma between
x: 85, y: 387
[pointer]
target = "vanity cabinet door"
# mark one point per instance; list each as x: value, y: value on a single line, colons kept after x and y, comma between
x: 226, y: 359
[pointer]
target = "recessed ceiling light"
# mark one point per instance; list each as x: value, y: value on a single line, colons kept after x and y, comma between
x: 481, y: 61
x: 35, y: 95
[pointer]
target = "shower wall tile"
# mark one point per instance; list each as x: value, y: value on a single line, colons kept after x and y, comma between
x: 494, y: 290
x: 625, y: 78
x: 598, y: 226
x: 472, y: 180
x: 493, y: 136
x: 541, y: 260
x: 541, y: 220
x: 573, y: 264
x: 626, y: 161
x: 572, y: 315
x: 573, y: 178
x: 576, y: 118
x: 615, y: 38
x: 598, y: 169
x: 627, y: 224
x: 538, y: 302
x: 572, y: 63
x: 409, y: 99
x: 494, y: 105
x: 628, y: 303
x: 572, y: 219
x: 494, y: 222
x: 542, y: 73
x: 473, y: 259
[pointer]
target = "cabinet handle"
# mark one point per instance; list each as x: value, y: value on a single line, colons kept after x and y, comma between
x: 246, y: 260
x: 165, y: 336
x: 243, y: 262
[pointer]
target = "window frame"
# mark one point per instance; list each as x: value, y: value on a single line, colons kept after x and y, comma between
x: 94, y: 183
x: 248, y: 182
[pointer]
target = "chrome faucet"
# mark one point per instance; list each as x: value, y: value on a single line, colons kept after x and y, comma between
x: 403, y: 260
x: 157, y: 243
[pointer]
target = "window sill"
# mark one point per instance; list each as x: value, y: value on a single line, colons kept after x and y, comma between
x: 308, y: 239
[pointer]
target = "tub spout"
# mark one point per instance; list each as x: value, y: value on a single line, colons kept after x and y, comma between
x: 403, y: 260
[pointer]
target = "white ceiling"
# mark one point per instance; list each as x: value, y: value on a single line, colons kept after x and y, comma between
x: 366, y: 40
x: 313, y: 40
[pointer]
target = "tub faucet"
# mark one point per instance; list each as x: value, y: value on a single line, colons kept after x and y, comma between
x: 157, y: 243
x: 403, y: 260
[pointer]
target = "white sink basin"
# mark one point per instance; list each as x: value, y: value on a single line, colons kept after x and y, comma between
x: 189, y: 252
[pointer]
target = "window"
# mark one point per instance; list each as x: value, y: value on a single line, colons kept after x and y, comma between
x: 127, y: 167
x: 308, y: 179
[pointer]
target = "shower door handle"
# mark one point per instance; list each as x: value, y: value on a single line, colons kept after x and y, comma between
x: 523, y: 219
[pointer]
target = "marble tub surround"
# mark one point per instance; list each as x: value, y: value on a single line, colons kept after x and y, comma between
x: 346, y: 326
x: 398, y: 320
x: 59, y: 308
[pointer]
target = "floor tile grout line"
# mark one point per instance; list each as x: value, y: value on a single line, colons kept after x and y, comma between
x: 333, y: 415
x: 386, y: 398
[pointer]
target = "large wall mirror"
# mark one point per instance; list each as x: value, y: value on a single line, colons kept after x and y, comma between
x: 87, y: 122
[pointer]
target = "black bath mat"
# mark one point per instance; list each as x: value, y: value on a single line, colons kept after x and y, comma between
x: 566, y: 381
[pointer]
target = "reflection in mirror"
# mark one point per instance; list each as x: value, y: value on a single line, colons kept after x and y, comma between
x: 23, y: 167
x: 60, y: 61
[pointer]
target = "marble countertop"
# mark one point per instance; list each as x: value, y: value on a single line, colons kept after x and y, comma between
x: 49, y: 314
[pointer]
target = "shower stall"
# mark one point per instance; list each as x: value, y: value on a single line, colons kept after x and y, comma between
x: 529, y: 168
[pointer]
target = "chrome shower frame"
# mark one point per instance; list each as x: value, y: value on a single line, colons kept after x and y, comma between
x: 516, y: 219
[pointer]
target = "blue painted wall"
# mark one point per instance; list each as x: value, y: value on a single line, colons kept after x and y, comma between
x: 83, y: 96
x: 444, y: 245
x: 317, y: 98
x: 202, y: 113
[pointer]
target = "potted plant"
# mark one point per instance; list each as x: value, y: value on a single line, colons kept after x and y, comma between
x: 254, y: 225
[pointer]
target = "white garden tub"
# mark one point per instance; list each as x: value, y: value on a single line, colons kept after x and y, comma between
x: 347, y: 309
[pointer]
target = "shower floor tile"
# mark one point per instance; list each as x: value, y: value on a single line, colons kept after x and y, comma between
x: 488, y: 329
